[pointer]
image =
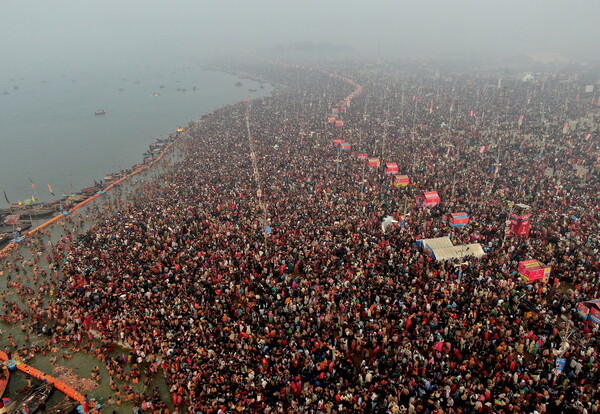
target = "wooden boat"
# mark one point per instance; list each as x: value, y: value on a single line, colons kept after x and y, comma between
x: 4, y: 373
x: 35, y: 213
x: 89, y: 190
x: 100, y: 112
x: 17, y: 399
x: 39, y: 397
x: 21, y: 226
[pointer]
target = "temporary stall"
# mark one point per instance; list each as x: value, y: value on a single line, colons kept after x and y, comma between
x: 339, y: 123
x: 441, y: 248
x: 363, y: 156
x: 457, y: 219
x: 345, y: 146
x: 428, y: 199
x: 337, y: 142
x: 374, y: 163
x: 532, y: 270
x: 391, y: 168
x: 460, y: 251
x: 331, y: 119
x: 400, y: 181
x: 435, y: 243
x: 520, y: 225
x: 590, y: 310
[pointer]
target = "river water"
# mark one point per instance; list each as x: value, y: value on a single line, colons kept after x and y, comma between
x: 50, y: 135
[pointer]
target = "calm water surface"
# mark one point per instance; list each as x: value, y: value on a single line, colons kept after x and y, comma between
x: 50, y: 135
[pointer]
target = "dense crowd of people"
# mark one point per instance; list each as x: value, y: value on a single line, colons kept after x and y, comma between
x: 255, y: 275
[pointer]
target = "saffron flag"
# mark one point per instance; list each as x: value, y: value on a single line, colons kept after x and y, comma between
x: 50, y: 189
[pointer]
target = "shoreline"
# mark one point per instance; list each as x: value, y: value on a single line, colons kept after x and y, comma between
x: 133, y: 171
x: 119, y: 191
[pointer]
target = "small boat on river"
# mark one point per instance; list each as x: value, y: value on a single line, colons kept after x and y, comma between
x: 100, y: 112
x: 17, y: 400
x: 4, y: 373
x: 35, y: 400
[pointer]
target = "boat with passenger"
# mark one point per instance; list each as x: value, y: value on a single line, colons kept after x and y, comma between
x: 100, y: 112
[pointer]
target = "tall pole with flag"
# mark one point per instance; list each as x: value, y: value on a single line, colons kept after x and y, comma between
x: 34, y: 188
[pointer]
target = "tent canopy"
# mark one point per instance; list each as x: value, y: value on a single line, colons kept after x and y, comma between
x: 441, y: 248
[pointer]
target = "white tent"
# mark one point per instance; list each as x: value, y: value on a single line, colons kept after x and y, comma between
x: 441, y: 248
x: 457, y: 252
x: 437, y: 243
x: 386, y: 222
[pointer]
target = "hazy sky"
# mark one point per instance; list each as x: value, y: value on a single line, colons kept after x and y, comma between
x: 52, y: 33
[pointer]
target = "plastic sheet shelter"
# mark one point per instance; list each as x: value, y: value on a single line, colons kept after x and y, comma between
x: 374, y: 163
x: 457, y: 219
x: 532, y: 270
x: 337, y: 142
x: 458, y: 252
x: 363, y: 156
x: 441, y: 248
x: 520, y: 224
x: 400, y: 181
x: 391, y: 168
x: 428, y: 199
x: 590, y: 310
x: 345, y: 146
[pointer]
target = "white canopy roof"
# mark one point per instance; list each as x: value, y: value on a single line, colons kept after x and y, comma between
x: 441, y: 248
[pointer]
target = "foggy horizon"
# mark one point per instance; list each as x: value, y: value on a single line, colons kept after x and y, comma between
x: 86, y: 34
